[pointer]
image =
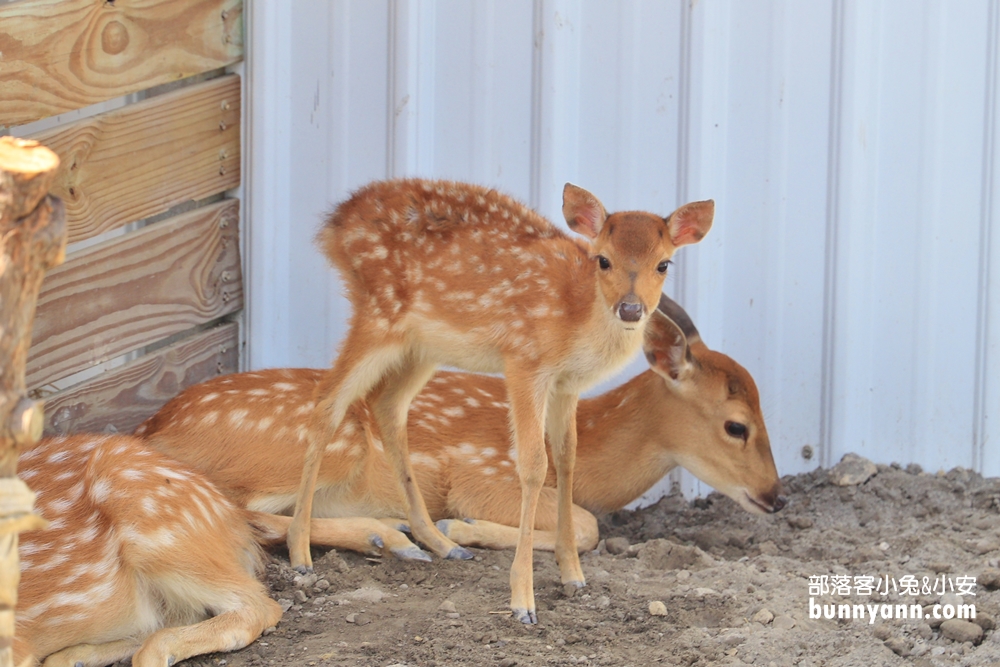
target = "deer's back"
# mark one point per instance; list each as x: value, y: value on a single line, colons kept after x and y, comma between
x: 421, y: 254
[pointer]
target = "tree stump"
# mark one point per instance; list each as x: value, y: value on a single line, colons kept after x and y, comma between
x: 32, y: 240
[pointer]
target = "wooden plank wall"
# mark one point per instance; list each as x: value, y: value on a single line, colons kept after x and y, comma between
x: 149, y: 301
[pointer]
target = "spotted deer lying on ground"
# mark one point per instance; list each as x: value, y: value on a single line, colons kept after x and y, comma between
x: 696, y: 408
x: 143, y: 557
x: 448, y: 273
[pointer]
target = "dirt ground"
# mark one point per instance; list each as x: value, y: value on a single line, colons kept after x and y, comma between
x: 735, y: 588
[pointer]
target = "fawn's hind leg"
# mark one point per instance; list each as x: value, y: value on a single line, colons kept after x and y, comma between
x: 359, y: 367
x: 390, y: 405
x: 362, y: 534
x: 561, y: 428
x: 93, y: 655
x: 492, y: 516
x: 229, y: 631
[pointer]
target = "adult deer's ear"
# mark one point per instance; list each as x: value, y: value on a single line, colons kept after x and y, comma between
x: 666, y: 347
x: 583, y: 211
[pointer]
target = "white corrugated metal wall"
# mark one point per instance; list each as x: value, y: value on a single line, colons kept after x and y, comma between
x: 850, y: 148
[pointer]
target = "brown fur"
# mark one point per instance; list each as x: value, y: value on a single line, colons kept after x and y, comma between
x: 137, y: 545
x: 449, y: 273
x: 248, y: 430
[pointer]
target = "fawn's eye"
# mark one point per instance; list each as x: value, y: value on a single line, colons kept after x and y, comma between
x: 662, y: 266
x: 603, y: 262
x: 737, y: 430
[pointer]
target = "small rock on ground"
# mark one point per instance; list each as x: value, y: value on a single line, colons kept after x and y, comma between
x: 616, y: 545
x: 961, y: 631
x: 899, y: 645
x: 852, y: 470
x: 657, y: 608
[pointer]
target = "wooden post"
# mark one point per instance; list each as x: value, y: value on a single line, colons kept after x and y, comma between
x: 32, y: 240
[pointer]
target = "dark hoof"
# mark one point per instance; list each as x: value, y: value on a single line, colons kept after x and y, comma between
x: 468, y: 520
x: 303, y: 569
x: 442, y: 525
x: 525, y: 616
x: 459, y: 553
x: 376, y: 541
x: 171, y: 660
x: 576, y: 584
x: 412, y: 553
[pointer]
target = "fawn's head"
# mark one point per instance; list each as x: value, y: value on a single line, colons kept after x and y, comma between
x: 633, y: 249
x: 720, y: 426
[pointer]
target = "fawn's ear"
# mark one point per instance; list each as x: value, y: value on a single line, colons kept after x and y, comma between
x: 584, y: 212
x: 691, y: 222
x: 666, y: 347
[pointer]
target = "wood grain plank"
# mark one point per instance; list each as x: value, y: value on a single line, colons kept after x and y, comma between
x: 132, y: 291
x: 121, y: 399
x: 138, y: 161
x: 58, y: 55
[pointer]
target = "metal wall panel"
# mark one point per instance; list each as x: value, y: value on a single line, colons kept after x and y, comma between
x: 850, y: 147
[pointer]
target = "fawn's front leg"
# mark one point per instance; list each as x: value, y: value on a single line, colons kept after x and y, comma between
x: 528, y: 395
x: 561, y: 429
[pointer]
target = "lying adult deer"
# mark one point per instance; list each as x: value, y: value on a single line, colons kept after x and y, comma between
x: 447, y: 273
x: 143, y: 557
x: 696, y: 408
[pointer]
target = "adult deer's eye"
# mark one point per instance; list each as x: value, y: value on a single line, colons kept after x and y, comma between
x: 603, y: 262
x: 737, y: 430
x: 662, y: 266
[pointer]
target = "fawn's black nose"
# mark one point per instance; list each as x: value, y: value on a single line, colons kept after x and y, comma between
x: 630, y: 312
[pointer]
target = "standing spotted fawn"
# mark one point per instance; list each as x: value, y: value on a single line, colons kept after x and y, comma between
x: 143, y: 558
x: 443, y: 273
x: 696, y: 408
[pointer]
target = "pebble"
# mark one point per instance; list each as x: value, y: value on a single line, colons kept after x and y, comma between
x: 657, y: 608
x: 358, y: 619
x: 929, y: 617
x: 603, y: 602
x: 764, y: 616
x: 882, y: 631
x: 899, y: 645
x: 305, y: 580
x: 447, y: 607
x: 285, y: 604
x: 961, y: 631
x: 800, y: 522
x: 367, y: 594
x: 300, y: 595
x: 616, y: 545
x: 985, y: 546
x: 852, y: 471
x: 985, y: 621
x: 783, y: 622
x: 321, y: 586
x: 990, y: 578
